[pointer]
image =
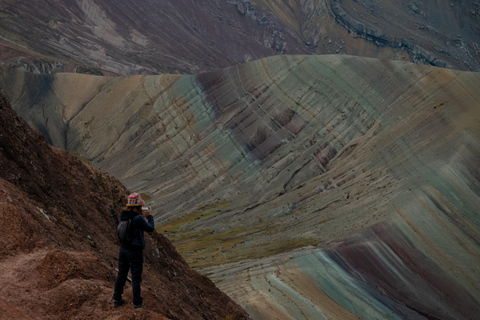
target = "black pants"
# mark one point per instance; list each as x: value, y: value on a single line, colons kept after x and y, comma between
x: 129, y: 258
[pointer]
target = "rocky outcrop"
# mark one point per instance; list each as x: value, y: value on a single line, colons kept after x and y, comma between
x: 417, y: 54
x: 420, y: 37
x: 58, y: 246
x: 48, y: 67
x: 37, y: 66
x: 273, y: 36
x: 16, y: 57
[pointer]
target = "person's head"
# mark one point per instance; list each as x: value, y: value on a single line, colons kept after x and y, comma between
x: 135, y: 203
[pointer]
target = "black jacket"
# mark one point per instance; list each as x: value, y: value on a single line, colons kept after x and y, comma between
x: 137, y: 227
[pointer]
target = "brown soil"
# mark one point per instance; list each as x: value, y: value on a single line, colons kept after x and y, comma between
x: 58, y: 250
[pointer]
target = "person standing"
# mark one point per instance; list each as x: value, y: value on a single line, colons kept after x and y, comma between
x: 131, y: 253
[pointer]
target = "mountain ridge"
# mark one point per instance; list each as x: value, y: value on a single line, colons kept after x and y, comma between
x: 189, y: 38
x: 58, y: 248
x: 305, y: 186
x: 176, y: 136
x: 344, y: 156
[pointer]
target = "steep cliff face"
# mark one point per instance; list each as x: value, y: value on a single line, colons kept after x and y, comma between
x: 58, y: 247
x: 185, y: 36
x: 439, y: 33
x: 374, y: 161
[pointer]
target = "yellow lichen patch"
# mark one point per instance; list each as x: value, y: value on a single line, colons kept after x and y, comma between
x: 202, y: 249
x: 201, y: 212
x: 271, y: 248
x: 145, y: 196
x: 76, y: 154
x: 212, y: 249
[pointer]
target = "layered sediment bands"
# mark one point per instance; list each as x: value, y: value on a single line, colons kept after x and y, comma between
x: 374, y: 161
x: 394, y: 270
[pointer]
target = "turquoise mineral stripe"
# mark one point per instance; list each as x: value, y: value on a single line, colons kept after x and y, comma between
x: 187, y: 88
x: 297, y: 305
x: 456, y: 191
x: 260, y: 284
x: 439, y: 239
x: 226, y: 148
x: 341, y: 287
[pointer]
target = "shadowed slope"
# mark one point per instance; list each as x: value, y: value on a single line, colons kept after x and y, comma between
x: 185, y: 36
x: 58, y: 246
x: 367, y: 158
x: 147, y: 36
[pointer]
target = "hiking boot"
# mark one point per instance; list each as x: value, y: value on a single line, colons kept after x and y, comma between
x: 140, y: 306
x: 118, y: 303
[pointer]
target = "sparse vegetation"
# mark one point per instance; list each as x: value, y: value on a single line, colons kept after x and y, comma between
x: 89, y: 122
x: 201, y: 212
x: 86, y: 136
x: 145, y: 196
x: 222, y: 248
x: 203, y: 248
x: 76, y: 154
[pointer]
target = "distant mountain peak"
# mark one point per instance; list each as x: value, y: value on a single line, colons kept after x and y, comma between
x: 190, y: 37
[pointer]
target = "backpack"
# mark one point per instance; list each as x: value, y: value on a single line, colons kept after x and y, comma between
x: 123, y: 231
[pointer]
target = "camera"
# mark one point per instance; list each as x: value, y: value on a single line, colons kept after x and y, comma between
x: 145, y: 208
